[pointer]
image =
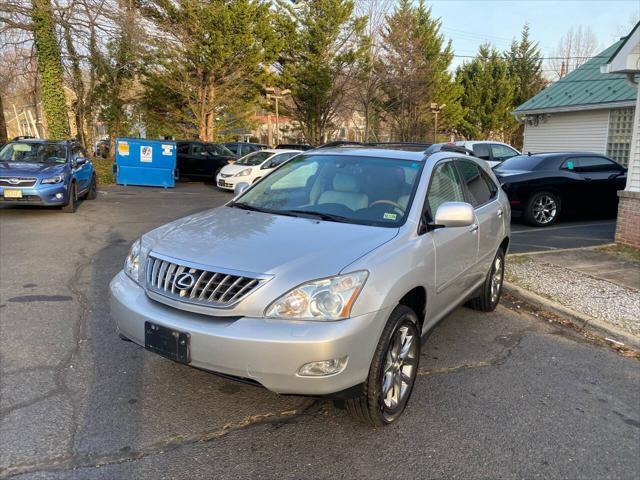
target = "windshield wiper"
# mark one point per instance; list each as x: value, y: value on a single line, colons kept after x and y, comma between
x: 246, y: 206
x: 322, y: 216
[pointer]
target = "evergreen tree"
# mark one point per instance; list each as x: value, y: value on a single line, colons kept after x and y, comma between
x: 488, y: 95
x: 414, y: 70
x: 54, y: 102
x: 319, y: 61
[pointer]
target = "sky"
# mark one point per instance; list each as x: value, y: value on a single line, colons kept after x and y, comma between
x: 469, y: 23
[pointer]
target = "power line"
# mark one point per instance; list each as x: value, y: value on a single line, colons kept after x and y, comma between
x: 542, y: 58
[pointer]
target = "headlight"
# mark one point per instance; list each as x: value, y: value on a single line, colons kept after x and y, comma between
x: 56, y: 179
x: 243, y: 173
x: 132, y: 262
x: 325, y: 299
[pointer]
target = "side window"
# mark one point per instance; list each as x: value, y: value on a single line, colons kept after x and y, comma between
x: 183, y: 148
x: 481, y: 150
x: 445, y: 186
x: 502, y: 152
x: 480, y: 188
x: 77, y: 152
x: 280, y: 159
x: 198, y: 149
x: 245, y: 150
x: 592, y: 164
x: 297, y: 178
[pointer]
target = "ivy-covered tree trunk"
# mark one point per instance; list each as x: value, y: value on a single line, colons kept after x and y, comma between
x: 3, y: 124
x: 50, y: 69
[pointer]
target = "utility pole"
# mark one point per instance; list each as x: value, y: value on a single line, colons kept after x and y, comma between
x: 273, y: 94
x: 436, y: 109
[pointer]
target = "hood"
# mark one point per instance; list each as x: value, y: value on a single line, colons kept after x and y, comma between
x: 234, y: 168
x: 17, y: 169
x: 262, y: 243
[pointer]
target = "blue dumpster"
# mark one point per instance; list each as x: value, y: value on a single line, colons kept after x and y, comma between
x: 145, y: 162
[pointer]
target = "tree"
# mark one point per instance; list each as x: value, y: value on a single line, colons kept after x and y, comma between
x: 319, y: 61
x: 210, y: 64
x: 414, y: 70
x: 525, y: 71
x: 574, y: 48
x: 3, y: 124
x: 488, y: 95
x: 50, y: 70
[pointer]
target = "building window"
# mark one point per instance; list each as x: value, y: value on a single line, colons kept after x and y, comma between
x: 620, y: 130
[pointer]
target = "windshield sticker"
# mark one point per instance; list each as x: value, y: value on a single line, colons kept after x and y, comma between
x: 123, y: 149
x: 167, y: 149
x: 570, y: 165
x: 146, y: 152
x: 390, y: 216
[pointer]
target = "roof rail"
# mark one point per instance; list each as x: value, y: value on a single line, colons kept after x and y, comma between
x: 447, y: 147
x: 342, y: 143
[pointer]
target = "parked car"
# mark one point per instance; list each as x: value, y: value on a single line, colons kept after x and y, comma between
x: 101, y: 148
x: 294, y: 146
x: 240, y: 149
x: 543, y: 186
x: 201, y: 160
x: 46, y: 172
x: 322, y: 278
x: 252, y: 167
x: 493, y: 152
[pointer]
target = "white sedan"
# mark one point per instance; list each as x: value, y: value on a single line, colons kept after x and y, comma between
x: 252, y: 167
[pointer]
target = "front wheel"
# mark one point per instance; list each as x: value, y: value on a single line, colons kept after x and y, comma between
x: 392, y: 373
x: 542, y: 209
x: 72, y: 202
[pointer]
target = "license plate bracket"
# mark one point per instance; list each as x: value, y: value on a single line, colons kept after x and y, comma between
x: 9, y: 193
x: 167, y: 342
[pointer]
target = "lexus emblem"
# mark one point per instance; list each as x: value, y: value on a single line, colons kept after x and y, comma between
x: 14, y: 181
x: 184, y: 281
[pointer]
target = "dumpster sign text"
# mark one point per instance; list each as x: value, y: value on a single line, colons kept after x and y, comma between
x: 146, y: 153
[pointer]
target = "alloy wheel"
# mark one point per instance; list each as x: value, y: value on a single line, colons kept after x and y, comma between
x: 496, y: 278
x: 545, y: 209
x: 399, y: 371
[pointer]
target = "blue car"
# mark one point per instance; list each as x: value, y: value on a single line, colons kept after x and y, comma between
x: 45, y: 172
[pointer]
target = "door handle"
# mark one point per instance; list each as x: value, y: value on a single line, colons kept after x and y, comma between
x: 588, y: 179
x: 473, y: 228
x: 500, y: 212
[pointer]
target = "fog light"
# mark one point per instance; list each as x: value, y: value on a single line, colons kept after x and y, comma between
x: 58, y: 196
x: 323, y: 367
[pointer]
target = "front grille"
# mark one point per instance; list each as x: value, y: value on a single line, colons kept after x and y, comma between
x: 195, y: 285
x: 17, y: 181
x: 222, y: 183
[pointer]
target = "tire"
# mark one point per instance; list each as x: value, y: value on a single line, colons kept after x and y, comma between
x: 491, y: 289
x: 386, y: 368
x: 92, y: 193
x: 542, y: 209
x: 72, y: 202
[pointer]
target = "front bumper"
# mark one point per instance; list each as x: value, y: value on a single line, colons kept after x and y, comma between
x: 37, y: 195
x: 226, y: 183
x: 266, y: 351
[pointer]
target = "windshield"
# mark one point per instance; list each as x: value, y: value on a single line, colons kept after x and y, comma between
x: 218, y: 149
x: 349, y: 189
x: 255, y: 158
x: 520, y: 162
x: 40, y: 152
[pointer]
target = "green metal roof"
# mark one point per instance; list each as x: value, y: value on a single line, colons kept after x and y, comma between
x: 584, y: 87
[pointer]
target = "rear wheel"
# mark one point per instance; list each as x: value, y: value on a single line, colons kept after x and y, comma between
x: 392, y: 373
x: 72, y: 201
x: 491, y: 290
x: 542, y: 209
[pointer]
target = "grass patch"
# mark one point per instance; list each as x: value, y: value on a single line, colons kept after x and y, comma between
x: 517, y: 259
x: 622, y: 250
x: 104, y: 172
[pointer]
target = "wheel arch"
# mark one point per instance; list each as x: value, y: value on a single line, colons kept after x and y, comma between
x: 416, y: 299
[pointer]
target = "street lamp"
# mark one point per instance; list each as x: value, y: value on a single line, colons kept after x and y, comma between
x: 436, y: 109
x: 273, y: 94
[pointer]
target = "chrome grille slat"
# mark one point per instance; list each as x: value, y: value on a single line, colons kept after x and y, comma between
x: 203, y: 286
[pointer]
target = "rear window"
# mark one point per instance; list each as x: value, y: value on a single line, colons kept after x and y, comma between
x: 522, y: 162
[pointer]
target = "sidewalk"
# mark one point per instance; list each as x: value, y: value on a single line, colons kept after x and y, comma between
x: 600, y: 287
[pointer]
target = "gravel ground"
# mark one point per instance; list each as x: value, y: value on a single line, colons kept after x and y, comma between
x: 599, y: 298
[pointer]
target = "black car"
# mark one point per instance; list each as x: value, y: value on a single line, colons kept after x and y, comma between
x: 240, y: 149
x: 203, y: 160
x: 294, y: 146
x: 542, y: 186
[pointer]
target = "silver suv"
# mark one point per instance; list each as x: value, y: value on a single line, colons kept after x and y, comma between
x: 322, y: 278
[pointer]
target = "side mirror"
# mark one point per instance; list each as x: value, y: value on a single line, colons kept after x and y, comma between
x: 80, y: 161
x: 454, y: 214
x: 240, y: 188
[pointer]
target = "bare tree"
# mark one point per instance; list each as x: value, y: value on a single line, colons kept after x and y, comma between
x: 575, y: 47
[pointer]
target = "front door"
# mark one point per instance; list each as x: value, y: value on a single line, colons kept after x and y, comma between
x: 602, y: 178
x: 456, y: 248
x: 82, y: 173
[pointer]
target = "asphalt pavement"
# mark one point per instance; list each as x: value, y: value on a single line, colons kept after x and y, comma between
x: 564, y: 234
x: 499, y: 395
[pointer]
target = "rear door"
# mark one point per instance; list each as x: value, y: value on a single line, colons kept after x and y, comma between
x: 182, y: 158
x: 456, y: 248
x: 482, y: 193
